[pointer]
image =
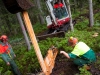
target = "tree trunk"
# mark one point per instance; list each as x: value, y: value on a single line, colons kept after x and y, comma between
x: 71, y: 24
x: 24, y: 31
x: 42, y: 21
x: 91, y: 19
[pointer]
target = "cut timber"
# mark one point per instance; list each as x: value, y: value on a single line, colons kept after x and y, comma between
x: 57, y: 34
x: 50, y: 59
x: 33, y: 40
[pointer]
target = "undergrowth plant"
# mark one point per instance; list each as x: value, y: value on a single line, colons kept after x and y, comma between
x: 4, y: 69
x: 83, y: 71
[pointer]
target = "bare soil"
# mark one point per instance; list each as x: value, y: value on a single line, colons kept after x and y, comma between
x: 64, y: 66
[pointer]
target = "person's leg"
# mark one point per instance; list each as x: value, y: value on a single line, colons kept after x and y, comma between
x: 83, y: 63
x: 14, y: 68
x: 80, y: 62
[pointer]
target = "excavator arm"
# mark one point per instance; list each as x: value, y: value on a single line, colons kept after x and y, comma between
x: 46, y: 64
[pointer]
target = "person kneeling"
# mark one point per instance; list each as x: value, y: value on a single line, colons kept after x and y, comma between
x: 82, y: 53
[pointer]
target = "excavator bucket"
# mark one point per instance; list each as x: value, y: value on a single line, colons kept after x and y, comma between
x: 14, y: 6
x: 57, y: 34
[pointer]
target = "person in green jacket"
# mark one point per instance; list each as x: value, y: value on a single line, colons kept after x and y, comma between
x: 82, y: 54
x: 8, y: 55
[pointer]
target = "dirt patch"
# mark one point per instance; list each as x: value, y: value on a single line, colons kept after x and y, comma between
x: 64, y: 66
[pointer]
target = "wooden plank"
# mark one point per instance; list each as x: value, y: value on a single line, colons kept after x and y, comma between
x: 33, y: 40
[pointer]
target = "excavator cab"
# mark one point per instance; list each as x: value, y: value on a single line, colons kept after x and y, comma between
x: 60, y: 10
x: 59, y: 15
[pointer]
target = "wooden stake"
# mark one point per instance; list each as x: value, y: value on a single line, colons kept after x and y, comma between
x: 33, y: 40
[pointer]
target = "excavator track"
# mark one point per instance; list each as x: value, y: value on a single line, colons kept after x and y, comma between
x: 57, y: 34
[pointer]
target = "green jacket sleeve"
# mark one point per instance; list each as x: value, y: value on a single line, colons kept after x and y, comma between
x: 71, y: 55
x: 11, y: 51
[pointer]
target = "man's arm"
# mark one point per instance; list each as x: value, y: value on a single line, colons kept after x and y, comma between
x: 5, y: 59
x: 11, y: 51
x: 65, y: 54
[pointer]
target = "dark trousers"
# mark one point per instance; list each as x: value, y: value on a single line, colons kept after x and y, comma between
x: 81, y: 62
x: 14, y: 68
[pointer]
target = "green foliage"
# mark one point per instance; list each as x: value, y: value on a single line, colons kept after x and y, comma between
x: 28, y: 62
x: 38, y: 28
x: 82, y: 25
x: 60, y: 43
x: 97, y: 23
x: 97, y: 19
x: 83, y: 71
x: 6, y: 73
x: 3, y: 68
x: 74, y: 15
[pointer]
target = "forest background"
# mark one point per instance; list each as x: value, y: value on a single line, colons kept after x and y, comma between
x: 27, y: 60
